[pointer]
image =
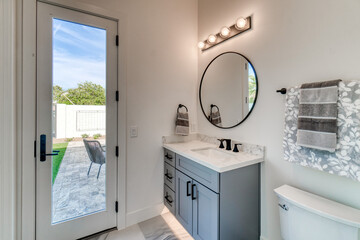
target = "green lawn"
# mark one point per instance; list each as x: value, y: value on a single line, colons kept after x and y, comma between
x: 57, y: 159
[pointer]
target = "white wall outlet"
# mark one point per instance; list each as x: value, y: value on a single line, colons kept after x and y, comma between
x: 133, y: 131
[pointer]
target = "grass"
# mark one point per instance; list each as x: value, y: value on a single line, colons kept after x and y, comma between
x: 56, y: 160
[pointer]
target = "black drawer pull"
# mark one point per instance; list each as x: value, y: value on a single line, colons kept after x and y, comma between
x: 169, y: 157
x: 187, y: 189
x: 193, y: 190
x: 168, y: 176
x: 168, y: 200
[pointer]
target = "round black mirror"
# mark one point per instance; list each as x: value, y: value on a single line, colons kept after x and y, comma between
x: 228, y: 90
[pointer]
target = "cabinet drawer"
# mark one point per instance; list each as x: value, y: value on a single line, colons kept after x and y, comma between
x: 169, y: 199
x: 169, y: 176
x: 203, y: 175
x: 169, y: 157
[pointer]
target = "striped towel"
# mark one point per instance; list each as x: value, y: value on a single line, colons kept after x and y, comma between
x: 182, y: 124
x: 317, y: 121
x: 215, y: 118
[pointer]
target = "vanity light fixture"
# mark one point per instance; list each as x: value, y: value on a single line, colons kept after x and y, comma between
x: 211, y: 39
x: 241, y: 25
x: 225, y: 32
x: 201, y: 45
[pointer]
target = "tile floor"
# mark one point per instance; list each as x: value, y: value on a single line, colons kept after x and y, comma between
x: 74, y: 193
x: 163, y: 227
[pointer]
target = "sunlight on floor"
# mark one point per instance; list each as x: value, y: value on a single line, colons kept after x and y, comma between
x: 163, y: 227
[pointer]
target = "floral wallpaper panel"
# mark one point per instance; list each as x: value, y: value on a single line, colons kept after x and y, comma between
x: 345, y: 161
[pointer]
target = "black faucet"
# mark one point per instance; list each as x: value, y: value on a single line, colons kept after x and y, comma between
x: 228, y: 144
x: 221, y: 143
x: 236, y: 147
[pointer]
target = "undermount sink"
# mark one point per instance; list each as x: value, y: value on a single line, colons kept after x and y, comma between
x: 213, y: 153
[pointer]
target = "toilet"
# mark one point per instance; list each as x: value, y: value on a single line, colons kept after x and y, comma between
x: 306, y: 216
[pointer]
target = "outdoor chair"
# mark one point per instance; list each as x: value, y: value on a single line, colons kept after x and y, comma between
x: 95, y: 152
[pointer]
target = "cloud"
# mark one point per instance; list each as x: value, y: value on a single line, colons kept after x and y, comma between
x: 79, y: 53
x: 68, y: 71
x: 79, y: 35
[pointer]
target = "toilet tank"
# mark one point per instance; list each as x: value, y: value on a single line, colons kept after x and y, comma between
x: 306, y: 216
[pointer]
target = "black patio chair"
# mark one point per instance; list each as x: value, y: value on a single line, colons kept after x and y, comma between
x: 95, y: 152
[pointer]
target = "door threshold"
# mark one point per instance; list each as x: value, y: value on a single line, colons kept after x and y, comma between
x: 98, y: 234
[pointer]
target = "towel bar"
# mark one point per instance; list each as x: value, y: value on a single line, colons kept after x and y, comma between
x: 180, y: 106
x: 282, y: 91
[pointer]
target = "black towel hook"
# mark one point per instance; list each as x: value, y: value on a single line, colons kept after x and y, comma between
x: 282, y: 91
x: 180, y: 106
x: 213, y: 105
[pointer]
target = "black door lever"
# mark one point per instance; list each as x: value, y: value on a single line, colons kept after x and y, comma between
x: 43, y: 153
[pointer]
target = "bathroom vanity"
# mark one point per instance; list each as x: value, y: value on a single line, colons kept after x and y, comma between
x: 214, y: 193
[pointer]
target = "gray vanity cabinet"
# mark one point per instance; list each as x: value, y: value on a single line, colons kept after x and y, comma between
x: 197, y: 208
x: 212, y: 205
x: 205, y: 213
x: 184, y: 207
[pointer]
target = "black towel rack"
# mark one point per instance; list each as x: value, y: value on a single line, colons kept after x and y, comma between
x: 212, y: 106
x: 180, y: 106
x: 282, y: 91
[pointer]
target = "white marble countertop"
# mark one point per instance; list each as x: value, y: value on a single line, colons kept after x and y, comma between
x: 219, y: 164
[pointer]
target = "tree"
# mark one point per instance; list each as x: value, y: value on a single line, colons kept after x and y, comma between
x: 252, y: 89
x: 87, y: 93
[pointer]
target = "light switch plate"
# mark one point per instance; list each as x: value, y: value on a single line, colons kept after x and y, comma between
x: 133, y: 131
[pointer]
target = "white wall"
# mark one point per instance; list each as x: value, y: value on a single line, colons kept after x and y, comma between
x: 8, y: 166
x: 291, y: 42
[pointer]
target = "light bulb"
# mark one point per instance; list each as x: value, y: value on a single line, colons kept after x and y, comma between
x: 201, y: 45
x: 240, y: 23
x: 225, y: 32
x: 211, y: 39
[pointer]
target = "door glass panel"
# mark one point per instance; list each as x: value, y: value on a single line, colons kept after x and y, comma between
x: 79, y: 120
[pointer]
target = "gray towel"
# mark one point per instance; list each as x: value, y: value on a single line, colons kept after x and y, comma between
x: 317, y: 120
x: 182, y: 124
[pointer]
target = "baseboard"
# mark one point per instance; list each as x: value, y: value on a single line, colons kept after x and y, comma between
x: 263, y: 238
x: 144, y: 214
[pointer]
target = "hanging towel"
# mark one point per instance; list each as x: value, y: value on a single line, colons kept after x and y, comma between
x: 182, y: 124
x: 215, y: 118
x: 317, y: 120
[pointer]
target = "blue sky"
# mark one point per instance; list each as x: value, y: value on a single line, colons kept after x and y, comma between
x: 79, y: 54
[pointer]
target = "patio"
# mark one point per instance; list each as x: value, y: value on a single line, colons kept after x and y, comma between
x: 75, y: 194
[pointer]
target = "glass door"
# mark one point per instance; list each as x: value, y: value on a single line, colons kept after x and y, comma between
x: 76, y: 123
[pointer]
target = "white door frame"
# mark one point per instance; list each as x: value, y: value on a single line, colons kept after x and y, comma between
x: 28, y: 102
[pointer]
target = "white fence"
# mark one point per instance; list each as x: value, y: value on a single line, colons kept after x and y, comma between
x: 74, y: 120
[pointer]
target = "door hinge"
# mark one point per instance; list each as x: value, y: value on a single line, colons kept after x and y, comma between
x: 117, y: 151
x: 117, y: 96
x: 116, y: 206
x: 117, y: 40
x: 35, y: 149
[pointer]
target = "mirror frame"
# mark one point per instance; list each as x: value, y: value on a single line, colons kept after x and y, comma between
x: 256, y: 93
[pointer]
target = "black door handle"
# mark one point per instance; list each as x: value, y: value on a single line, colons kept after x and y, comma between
x: 43, y: 153
x: 187, y: 189
x: 193, y: 190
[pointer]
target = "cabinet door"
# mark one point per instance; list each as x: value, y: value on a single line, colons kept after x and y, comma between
x: 205, y: 213
x: 183, y: 201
